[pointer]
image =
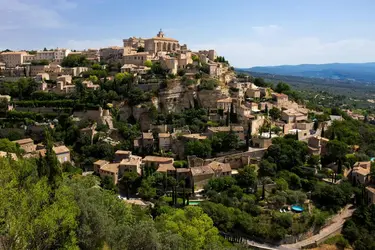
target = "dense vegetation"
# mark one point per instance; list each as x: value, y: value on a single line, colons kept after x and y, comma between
x: 75, y: 213
x: 360, y: 229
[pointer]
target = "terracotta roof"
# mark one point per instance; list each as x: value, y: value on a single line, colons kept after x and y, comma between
x: 123, y: 152
x: 218, y: 166
x: 111, y: 167
x: 203, y: 170
x: 164, y: 135
x: 361, y: 171
x: 165, y: 167
x: 24, y: 141
x: 147, y: 136
x: 101, y: 162
x: 159, y: 159
x: 61, y: 150
x: 134, y: 160
x: 363, y: 164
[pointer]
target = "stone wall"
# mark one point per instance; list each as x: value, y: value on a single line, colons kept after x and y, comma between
x: 176, y: 98
x: 208, y: 98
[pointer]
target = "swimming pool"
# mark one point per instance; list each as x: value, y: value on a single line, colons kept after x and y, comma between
x: 297, y: 209
x: 194, y: 203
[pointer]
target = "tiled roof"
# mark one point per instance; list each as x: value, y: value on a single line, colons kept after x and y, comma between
x: 24, y: 141
x: 166, y: 167
x: 111, y: 167
x: 203, y: 170
x: 150, y: 158
x: 218, y: 166
x: 61, y: 150
x: 101, y: 162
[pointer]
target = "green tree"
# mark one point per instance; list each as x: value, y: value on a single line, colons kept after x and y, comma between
x: 146, y: 190
x: 128, y: 180
x: 282, y: 87
x: 275, y: 113
x: 75, y: 61
x: 198, y: 148
x: 148, y: 63
x: 193, y: 225
x: 8, y: 146
x: 247, y: 176
x: 267, y: 169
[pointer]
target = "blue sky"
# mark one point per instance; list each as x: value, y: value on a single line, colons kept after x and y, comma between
x: 247, y: 32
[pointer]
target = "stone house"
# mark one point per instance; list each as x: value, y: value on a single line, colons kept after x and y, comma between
x: 132, y: 164
x: 280, y: 99
x: 165, y: 141
x: 62, y: 153
x: 360, y: 172
x: 26, y: 144
x: 238, y: 130
x: 98, y: 164
x: 110, y: 170
x: 220, y: 169
x: 253, y: 93
x: 261, y: 141
x: 147, y: 140
x: 201, y: 176
x: 167, y: 169
x: 149, y: 161
x: 292, y: 115
x: 317, y: 145
x: 224, y: 104
x: 122, y: 155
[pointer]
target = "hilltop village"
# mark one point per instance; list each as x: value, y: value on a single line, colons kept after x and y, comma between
x: 160, y: 125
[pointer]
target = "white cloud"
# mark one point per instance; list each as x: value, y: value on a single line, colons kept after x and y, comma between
x: 249, y: 53
x: 86, y: 44
x: 33, y: 14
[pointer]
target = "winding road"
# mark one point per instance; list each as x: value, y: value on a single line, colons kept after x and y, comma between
x: 337, y: 223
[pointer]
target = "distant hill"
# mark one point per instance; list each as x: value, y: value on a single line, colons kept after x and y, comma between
x: 363, y: 72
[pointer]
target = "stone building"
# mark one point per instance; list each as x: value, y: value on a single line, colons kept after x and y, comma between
x: 26, y: 144
x: 110, y: 170
x: 160, y: 43
x: 201, y: 176
x: 62, y: 153
x: 360, y: 172
x: 13, y: 59
x: 132, y: 164
x: 111, y: 54
x: 238, y: 130
x: 165, y: 141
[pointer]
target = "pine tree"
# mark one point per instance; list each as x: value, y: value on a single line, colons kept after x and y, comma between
x: 51, y: 162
